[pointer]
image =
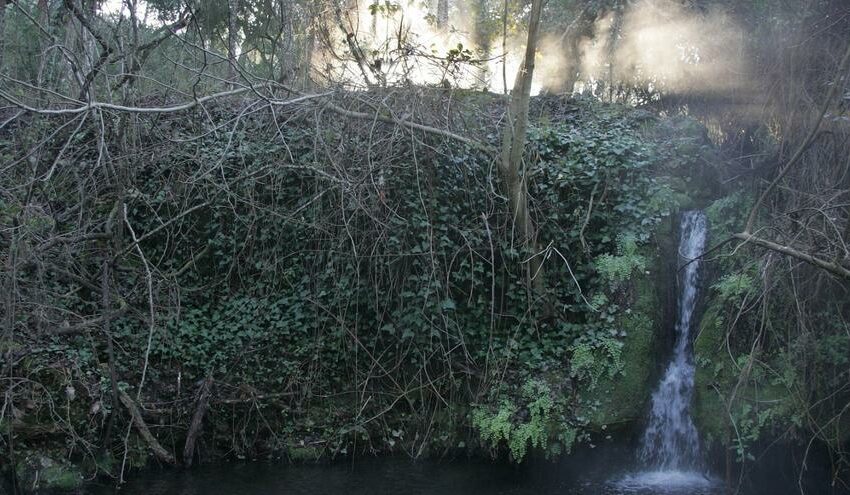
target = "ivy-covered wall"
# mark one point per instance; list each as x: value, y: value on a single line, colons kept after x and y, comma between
x: 343, y: 302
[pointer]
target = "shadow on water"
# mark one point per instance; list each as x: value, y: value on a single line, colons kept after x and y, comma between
x: 606, y: 470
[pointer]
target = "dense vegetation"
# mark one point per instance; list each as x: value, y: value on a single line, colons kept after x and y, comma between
x: 249, y: 230
x: 331, y: 310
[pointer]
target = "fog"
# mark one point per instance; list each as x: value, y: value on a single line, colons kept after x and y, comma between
x: 659, y: 45
x: 656, y: 44
x: 663, y: 44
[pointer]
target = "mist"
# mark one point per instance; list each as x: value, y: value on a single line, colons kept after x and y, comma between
x: 402, y: 44
x: 661, y: 45
x: 658, y: 45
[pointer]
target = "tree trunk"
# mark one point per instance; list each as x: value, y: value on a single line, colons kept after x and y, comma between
x: 232, y: 34
x: 9, y: 310
x: 481, y: 38
x: 613, y: 37
x: 513, y: 143
x: 571, y: 71
x: 42, y: 9
x: 2, y: 30
x: 442, y: 13
x: 197, y: 421
x: 306, y: 63
x: 110, y: 352
x: 43, y: 17
x: 158, y: 450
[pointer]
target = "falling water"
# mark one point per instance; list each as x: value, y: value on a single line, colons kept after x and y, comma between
x: 671, y: 441
x: 670, y: 449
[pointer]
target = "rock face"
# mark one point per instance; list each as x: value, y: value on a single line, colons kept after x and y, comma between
x: 619, y: 402
x: 39, y: 474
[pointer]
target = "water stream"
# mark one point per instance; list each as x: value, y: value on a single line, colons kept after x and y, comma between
x: 671, y: 441
x: 670, y: 450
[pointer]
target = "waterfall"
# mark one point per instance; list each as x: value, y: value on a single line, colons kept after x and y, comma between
x: 671, y: 441
x: 670, y: 451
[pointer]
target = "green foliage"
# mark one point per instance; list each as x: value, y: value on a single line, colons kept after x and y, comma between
x: 296, y: 256
x: 734, y: 286
x: 303, y: 280
x: 386, y: 8
x: 751, y: 424
x: 602, y: 157
x: 780, y: 383
x: 727, y: 215
x: 619, y: 397
x: 43, y: 474
x: 834, y: 350
x: 505, y: 424
x: 592, y: 360
x: 495, y: 426
x: 618, y: 268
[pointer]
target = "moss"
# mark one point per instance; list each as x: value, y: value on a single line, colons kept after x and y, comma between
x: 622, y: 399
x: 41, y: 474
x: 61, y: 478
x: 762, y: 403
x: 712, y: 365
x: 304, y: 453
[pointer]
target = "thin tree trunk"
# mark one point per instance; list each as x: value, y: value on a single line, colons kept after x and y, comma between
x: 480, y: 37
x: 307, y: 62
x: 2, y: 30
x: 571, y: 37
x: 571, y: 71
x: 442, y: 13
x: 43, y: 11
x: 513, y: 143
x: 110, y: 352
x: 197, y: 421
x: 158, y: 450
x: 9, y: 333
x: 356, y: 51
x: 232, y: 34
x: 613, y: 38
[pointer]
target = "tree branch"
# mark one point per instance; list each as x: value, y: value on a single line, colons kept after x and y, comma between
x: 157, y: 448
x: 834, y: 268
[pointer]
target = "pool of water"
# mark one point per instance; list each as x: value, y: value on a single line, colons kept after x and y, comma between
x: 603, y: 471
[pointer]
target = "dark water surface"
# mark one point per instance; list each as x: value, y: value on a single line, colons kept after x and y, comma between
x: 604, y: 471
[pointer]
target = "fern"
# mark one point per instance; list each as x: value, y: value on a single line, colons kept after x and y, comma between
x: 618, y: 268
